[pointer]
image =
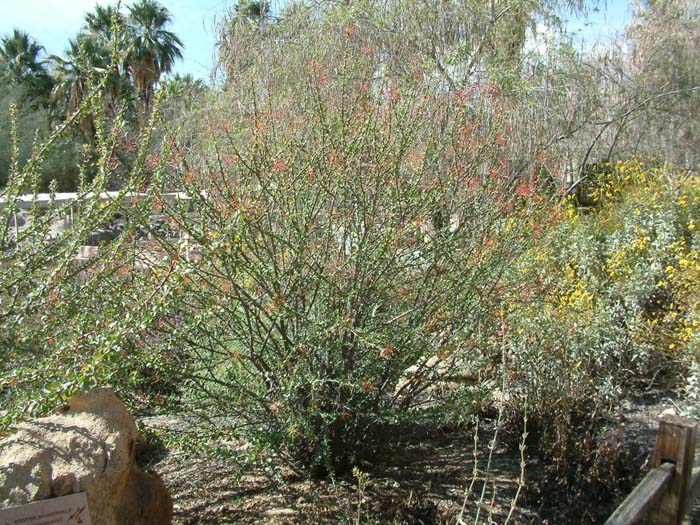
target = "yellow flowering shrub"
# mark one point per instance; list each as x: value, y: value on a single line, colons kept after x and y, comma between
x: 604, y: 299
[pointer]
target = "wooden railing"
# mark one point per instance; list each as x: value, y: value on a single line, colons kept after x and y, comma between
x: 668, y: 491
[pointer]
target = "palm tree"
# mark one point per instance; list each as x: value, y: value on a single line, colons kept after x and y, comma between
x: 20, y: 63
x: 103, y: 22
x: 185, y: 86
x: 151, y: 51
x: 252, y: 11
x: 106, y: 24
x: 86, y: 60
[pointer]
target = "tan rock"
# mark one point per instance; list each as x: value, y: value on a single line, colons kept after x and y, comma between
x: 91, y: 448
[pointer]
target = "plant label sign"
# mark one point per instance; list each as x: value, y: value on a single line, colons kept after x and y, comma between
x: 66, y: 510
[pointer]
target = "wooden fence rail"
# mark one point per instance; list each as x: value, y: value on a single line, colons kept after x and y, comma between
x: 667, y: 492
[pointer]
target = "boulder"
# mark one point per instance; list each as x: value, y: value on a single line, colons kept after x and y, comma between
x: 434, y: 377
x: 90, y: 447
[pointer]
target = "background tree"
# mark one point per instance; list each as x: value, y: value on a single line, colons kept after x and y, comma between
x: 26, y: 107
x: 635, y: 96
x: 256, y: 12
x: 665, y: 67
x: 87, y: 61
x: 151, y: 49
x: 104, y: 22
x: 20, y: 63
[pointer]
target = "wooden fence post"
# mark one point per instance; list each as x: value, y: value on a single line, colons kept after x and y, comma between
x: 675, y: 443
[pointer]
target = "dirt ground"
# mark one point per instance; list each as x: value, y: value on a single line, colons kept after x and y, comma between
x: 420, y: 479
x: 424, y: 477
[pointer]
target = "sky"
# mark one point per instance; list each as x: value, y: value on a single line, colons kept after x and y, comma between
x: 601, y: 23
x: 53, y: 22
